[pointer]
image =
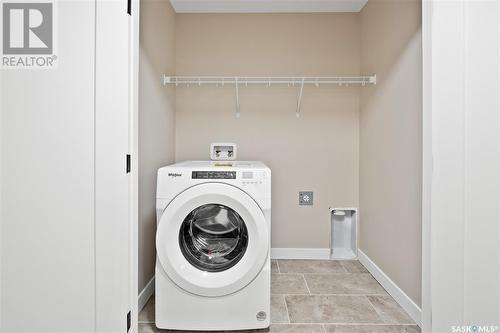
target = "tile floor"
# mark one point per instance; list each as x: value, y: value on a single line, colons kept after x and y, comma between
x: 316, y: 296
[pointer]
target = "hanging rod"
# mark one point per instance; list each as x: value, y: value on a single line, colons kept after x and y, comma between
x: 236, y: 81
x: 271, y: 80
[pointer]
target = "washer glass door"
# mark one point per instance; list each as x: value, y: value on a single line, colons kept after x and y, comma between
x: 213, y: 237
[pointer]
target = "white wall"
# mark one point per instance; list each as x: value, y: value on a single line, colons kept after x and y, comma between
x: 462, y: 207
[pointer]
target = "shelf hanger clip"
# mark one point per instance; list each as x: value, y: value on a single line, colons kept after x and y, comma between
x: 299, y: 99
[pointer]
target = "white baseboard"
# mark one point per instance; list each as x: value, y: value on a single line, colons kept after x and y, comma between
x: 399, y: 295
x: 146, y: 294
x: 300, y: 253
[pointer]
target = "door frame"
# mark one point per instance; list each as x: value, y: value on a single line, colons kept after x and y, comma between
x: 426, y: 323
x: 427, y: 163
x: 133, y: 256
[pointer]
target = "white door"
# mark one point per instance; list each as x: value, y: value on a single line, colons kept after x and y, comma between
x: 65, y: 191
x: 461, y: 259
x: 212, y: 239
x: 47, y: 184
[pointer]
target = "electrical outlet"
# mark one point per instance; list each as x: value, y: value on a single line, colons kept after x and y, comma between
x: 305, y: 198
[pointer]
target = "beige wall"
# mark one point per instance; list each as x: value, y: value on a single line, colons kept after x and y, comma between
x: 156, y: 120
x: 391, y: 141
x: 346, y: 140
x: 318, y: 151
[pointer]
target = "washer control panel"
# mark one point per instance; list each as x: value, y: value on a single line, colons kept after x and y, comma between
x: 213, y: 175
x: 253, y: 178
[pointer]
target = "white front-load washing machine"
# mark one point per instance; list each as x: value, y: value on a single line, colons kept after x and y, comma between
x: 213, y: 246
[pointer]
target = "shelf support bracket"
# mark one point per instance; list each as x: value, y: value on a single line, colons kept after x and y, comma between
x: 299, y: 99
x: 237, y: 97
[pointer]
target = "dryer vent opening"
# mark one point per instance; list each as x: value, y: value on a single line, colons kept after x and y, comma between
x: 343, y: 233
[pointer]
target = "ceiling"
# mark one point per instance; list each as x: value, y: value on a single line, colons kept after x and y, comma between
x: 267, y: 6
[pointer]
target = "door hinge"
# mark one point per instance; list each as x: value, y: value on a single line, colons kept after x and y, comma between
x: 128, y: 163
x: 129, y: 7
x: 129, y: 319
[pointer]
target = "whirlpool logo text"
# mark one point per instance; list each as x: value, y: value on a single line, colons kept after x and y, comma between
x: 174, y: 174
